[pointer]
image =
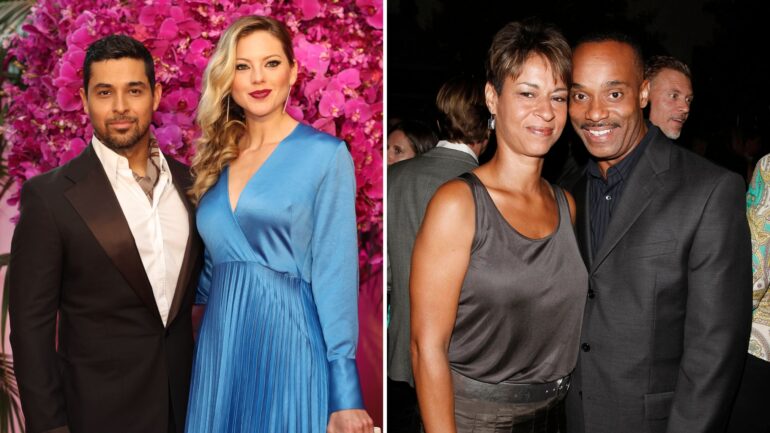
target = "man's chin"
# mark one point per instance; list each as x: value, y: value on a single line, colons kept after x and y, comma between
x: 122, y: 142
x: 672, y: 134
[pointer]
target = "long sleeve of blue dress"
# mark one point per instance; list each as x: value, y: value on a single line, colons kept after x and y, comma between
x: 334, y: 279
x: 204, y: 281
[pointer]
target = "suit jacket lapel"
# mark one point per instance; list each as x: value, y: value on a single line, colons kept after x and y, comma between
x: 192, y: 250
x: 643, y: 182
x: 582, y: 224
x: 94, y: 200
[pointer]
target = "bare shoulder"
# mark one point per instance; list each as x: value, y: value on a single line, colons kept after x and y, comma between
x: 450, y: 209
x: 454, y: 196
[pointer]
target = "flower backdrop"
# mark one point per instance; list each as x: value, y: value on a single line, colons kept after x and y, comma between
x: 338, y: 45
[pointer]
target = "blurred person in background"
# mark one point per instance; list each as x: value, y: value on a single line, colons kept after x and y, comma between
x: 462, y: 122
x: 750, y: 409
x: 409, y: 138
x: 670, y: 93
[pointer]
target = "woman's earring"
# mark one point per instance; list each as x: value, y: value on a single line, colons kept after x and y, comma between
x: 285, y: 104
x: 491, y: 122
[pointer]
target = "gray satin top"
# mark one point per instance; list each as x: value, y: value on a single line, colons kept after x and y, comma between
x: 521, y: 303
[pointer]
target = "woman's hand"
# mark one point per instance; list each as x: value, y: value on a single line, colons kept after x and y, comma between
x: 350, y: 421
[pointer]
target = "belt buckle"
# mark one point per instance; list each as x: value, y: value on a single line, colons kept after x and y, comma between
x: 563, y: 384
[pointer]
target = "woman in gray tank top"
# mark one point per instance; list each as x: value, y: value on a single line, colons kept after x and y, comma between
x: 497, y: 284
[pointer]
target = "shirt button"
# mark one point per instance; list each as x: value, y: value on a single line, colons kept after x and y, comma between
x: 586, y: 347
x: 608, y: 197
x: 591, y: 293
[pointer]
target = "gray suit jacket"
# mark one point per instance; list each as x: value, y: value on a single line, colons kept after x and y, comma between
x: 411, y: 185
x: 668, y: 313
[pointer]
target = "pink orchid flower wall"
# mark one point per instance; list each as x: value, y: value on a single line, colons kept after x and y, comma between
x: 338, y: 45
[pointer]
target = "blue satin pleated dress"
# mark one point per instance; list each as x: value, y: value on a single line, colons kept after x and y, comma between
x: 276, y: 347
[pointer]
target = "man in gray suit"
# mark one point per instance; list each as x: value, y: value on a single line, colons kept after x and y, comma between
x: 665, y: 238
x: 411, y: 184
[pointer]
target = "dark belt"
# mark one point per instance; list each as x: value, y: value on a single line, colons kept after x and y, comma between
x: 506, y: 392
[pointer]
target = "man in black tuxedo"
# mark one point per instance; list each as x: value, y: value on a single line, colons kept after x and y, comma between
x: 104, y: 264
x: 665, y: 238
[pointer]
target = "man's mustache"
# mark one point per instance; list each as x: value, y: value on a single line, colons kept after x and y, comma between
x: 586, y: 125
x: 121, y: 119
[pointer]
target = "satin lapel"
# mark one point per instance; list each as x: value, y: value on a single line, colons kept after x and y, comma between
x: 192, y: 250
x: 94, y: 200
x: 582, y: 225
x: 637, y: 195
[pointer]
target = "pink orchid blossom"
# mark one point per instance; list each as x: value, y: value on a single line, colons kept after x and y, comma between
x: 310, y: 8
x: 332, y: 104
x: 338, y: 46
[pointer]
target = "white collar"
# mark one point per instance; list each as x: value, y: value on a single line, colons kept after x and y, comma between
x: 114, y: 163
x: 462, y: 147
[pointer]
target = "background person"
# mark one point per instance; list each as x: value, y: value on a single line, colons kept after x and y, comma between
x: 409, y: 138
x: 749, y: 412
x: 411, y: 184
x: 670, y: 94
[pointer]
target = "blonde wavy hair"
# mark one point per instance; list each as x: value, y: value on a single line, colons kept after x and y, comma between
x: 220, y: 119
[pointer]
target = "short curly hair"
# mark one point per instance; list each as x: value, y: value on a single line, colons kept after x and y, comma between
x: 517, y: 41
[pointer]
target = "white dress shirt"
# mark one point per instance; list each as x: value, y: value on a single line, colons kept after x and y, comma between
x: 160, y: 228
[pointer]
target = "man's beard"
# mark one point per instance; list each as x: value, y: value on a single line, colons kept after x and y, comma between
x: 122, y: 142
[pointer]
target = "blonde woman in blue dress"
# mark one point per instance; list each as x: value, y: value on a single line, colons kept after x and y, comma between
x: 276, y: 211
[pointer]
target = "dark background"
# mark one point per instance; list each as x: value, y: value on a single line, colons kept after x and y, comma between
x: 725, y: 43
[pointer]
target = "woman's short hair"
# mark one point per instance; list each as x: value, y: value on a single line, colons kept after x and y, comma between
x: 462, y: 111
x: 517, y: 41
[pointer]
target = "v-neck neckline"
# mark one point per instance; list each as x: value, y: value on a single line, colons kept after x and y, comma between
x: 234, y: 209
x: 508, y: 223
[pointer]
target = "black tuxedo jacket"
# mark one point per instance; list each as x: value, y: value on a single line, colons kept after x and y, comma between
x: 668, y: 313
x: 91, y: 352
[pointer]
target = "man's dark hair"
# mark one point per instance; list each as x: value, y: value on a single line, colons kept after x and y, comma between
x: 656, y: 64
x: 115, y: 47
x: 616, y: 36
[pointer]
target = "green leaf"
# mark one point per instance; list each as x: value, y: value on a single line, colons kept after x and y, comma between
x: 10, y: 412
x: 12, y: 15
x: 4, y: 311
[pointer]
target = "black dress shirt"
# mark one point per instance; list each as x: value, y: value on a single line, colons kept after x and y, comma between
x: 604, y: 194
